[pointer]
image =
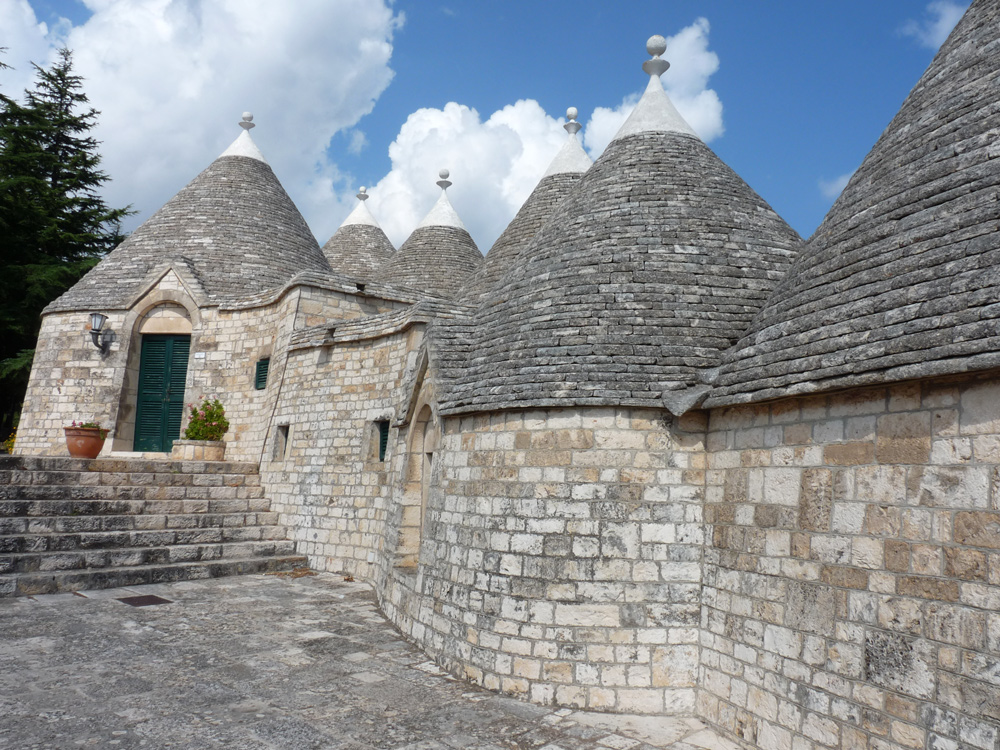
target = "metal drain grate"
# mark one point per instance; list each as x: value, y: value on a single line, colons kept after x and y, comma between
x: 146, y: 600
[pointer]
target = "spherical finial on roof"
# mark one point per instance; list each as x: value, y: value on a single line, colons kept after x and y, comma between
x: 656, y: 46
x: 443, y: 183
x: 572, y: 127
x: 247, y: 122
x: 363, y: 194
x: 443, y: 174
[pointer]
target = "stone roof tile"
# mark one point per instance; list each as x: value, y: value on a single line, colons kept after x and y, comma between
x: 901, y: 279
x: 233, y: 224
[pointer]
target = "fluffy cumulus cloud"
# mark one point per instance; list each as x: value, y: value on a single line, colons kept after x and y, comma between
x: 940, y: 18
x: 686, y: 82
x: 495, y: 164
x: 172, y: 77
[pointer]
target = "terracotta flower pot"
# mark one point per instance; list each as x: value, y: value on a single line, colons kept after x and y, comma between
x: 84, y: 442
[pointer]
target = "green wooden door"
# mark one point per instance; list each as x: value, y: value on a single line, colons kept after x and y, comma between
x: 162, y: 369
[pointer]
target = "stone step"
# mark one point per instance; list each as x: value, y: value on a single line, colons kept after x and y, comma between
x: 52, y: 582
x: 124, y: 540
x: 108, y: 492
x: 120, y: 465
x: 190, y: 551
x: 88, y: 507
x: 163, y: 475
x: 51, y: 524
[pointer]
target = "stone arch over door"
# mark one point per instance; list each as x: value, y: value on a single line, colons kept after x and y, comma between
x: 421, y: 447
x: 163, y: 315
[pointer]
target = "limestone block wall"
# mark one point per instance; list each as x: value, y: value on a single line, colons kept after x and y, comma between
x: 320, y: 465
x: 561, y: 557
x: 70, y: 380
x: 852, y: 570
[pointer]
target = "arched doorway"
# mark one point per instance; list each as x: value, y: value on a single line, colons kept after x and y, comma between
x: 417, y: 487
x: 164, y: 342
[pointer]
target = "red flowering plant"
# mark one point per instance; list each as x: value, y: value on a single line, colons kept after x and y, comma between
x: 208, y: 421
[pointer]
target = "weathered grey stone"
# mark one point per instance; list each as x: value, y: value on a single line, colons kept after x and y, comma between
x: 898, y: 282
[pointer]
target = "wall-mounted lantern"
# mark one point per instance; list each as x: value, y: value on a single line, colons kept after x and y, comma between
x: 100, y: 335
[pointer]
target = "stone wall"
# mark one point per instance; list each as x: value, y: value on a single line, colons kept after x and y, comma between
x: 321, y: 462
x: 72, y: 380
x: 561, y: 558
x: 852, y: 570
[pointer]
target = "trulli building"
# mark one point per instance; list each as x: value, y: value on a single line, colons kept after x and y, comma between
x: 653, y: 453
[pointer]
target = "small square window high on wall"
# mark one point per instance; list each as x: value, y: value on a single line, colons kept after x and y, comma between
x: 260, y: 375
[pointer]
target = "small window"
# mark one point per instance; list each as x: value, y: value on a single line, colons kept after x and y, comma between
x: 260, y: 376
x: 383, y: 438
x: 280, y: 442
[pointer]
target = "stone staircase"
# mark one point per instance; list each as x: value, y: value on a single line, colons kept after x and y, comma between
x: 71, y: 524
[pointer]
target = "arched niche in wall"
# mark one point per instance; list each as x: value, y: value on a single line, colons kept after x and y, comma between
x: 164, y: 321
x: 421, y: 446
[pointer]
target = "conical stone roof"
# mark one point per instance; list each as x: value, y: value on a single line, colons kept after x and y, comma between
x: 439, y: 256
x: 234, y: 225
x: 562, y: 174
x: 359, y: 247
x: 648, y: 271
x: 902, y: 278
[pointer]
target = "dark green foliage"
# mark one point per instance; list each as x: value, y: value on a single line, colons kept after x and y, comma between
x: 208, y: 421
x: 54, y: 226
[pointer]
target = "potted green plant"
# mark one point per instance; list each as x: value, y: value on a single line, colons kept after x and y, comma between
x: 203, y: 435
x: 85, y: 439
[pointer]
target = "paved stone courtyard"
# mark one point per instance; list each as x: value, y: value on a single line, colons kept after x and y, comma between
x: 264, y: 663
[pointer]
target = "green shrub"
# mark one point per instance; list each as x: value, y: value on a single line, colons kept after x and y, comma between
x: 208, y: 421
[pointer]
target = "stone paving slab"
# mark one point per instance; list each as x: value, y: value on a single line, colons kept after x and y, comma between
x: 265, y: 663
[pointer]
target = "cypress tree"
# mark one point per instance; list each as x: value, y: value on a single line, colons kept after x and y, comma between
x: 54, y: 226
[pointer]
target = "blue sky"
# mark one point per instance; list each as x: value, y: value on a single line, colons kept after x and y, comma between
x: 805, y: 90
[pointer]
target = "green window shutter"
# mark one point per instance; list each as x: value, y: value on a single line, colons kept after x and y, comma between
x: 383, y: 439
x: 260, y: 377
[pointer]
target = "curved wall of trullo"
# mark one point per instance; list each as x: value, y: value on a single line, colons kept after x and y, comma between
x: 561, y: 557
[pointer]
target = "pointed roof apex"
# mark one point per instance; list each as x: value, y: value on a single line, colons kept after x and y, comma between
x: 442, y: 214
x: 361, y: 214
x: 244, y: 145
x: 655, y: 113
x: 571, y: 159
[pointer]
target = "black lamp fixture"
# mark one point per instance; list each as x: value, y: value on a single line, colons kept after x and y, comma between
x: 100, y: 335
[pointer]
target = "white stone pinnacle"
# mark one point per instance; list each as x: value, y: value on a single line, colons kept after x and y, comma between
x: 361, y: 213
x: 442, y: 214
x: 655, y: 113
x: 244, y: 145
x: 571, y: 159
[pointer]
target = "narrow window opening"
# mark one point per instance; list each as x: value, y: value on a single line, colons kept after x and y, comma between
x: 260, y: 375
x: 281, y: 442
x: 383, y: 438
x: 361, y: 287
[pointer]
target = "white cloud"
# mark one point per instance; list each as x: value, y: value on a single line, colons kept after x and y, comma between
x: 494, y: 164
x: 26, y: 39
x: 171, y: 79
x: 941, y: 17
x: 831, y: 189
x: 691, y: 65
